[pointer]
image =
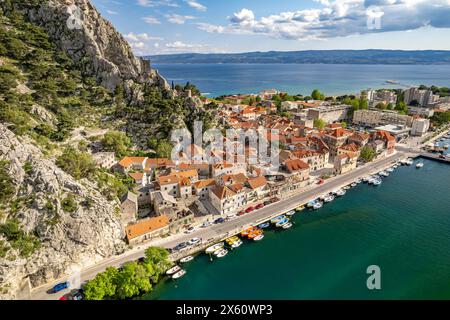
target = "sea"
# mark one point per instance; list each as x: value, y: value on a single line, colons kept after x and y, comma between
x: 401, y: 227
x: 333, y: 79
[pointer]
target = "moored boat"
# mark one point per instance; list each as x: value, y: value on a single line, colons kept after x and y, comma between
x: 340, y: 193
x: 236, y: 244
x: 258, y: 237
x: 329, y: 198
x: 264, y: 225
x: 187, y: 259
x: 290, y: 213
x: 420, y: 165
x: 179, y: 274
x: 282, y: 223
x: 376, y: 182
x: 287, y: 225
x: 301, y: 208
x: 277, y: 219
x: 214, y: 247
x: 354, y: 184
x: 221, y: 253
x: 318, y: 205
x: 311, y: 203
x: 173, y: 270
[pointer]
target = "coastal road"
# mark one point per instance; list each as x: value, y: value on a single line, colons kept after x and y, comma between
x: 41, y: 293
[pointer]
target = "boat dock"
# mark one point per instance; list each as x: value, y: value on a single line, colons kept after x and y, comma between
x: 431, y: 156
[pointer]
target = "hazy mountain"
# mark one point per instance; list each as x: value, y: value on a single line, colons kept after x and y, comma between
x: 313, y: 56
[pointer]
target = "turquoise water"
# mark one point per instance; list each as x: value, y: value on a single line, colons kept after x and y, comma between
x: 221, y: 79
x: 403, y: 226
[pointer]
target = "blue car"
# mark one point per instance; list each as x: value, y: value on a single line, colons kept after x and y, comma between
x: 220, y: 220
x: 60, y: 286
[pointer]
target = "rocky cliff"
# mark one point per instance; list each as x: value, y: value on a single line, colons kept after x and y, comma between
x: 92, y: 42
x: 66, y: 239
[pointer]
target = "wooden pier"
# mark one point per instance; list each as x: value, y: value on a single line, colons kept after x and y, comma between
x: 437, y: 157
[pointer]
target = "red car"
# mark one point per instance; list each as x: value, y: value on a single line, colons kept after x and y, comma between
x: 250, y: 209
x: 260, y: 206
x: 321, y: 181
x: 241, y: 213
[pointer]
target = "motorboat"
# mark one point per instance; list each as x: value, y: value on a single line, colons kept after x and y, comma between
x: 323, y: 197
x: 354, y: 184
x: 366, y: 179
x: 236, y: 244
x: 390, y: 170
x: 329, y: 198
x: 301, y: 208
x: 221, y: 253
x: 264, y: 225
x: 179, y: 274
x: 409, y: 162
x: 376, y: 182
x: 187, y: 259
x: 318, y: 205
x: 246, y: 232
x: 231, y: 240
x: 341, y: 193
x: 360, y: 180
x: 214, y: 248
x: 419, y: 165
x: 311, y: 204
x: 290, y: 213
x: 403, y: 161
x: 278, y: 219
x: 282, y: 222
x: 346, y: 188
x: 384, y: 174
x: 173, y: 270
x: 255, y: 233
x: 287, y: 225
x: 258, y: 237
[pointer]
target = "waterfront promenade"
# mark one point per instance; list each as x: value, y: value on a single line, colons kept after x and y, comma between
x: 218, y: 232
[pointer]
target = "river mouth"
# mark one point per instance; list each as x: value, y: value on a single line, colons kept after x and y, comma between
x: 401, y: 226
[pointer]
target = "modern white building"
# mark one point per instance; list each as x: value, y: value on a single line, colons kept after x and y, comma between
x: 420, y: 127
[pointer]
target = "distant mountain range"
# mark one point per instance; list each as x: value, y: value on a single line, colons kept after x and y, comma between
x: 313, y: 57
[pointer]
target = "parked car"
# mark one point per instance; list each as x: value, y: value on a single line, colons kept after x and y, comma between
x: 260, y: 206
x: 190, y: 230
x: 181, y: 246
x: 77, y: 296
x: 249, y: 209
x: 220, y: 220
x: 195, y: 241
x: 60, y: 287
x: 206, y: 224
x: 266, y: 203
x: 241, y: 213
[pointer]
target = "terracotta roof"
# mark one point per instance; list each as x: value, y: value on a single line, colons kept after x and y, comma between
x: 158, y: 162
x: 296, y: 165
x: 146, y: 226
x: 237, y: 187
x: 223, y: 192
x: 127, y: 161
x: 350, y: 147
x: 360, y: 136
x: 137, y: 175
x: 240, y: 177
x: 171, y: 179
x: 187, y: 174
x: 205, y: 183
x: 257, y: 182
x: 185, y: 182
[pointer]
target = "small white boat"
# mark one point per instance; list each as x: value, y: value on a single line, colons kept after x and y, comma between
x: 282, y: 223
x: 179, y: 274
x: 403, y: 161
x: 278, y: 219
x: 258, y: 238
x: 173, y: 270
x: 354, y: 184
x: 376, y: 182
x: 221, y: 253
x: 390, y: 170
x: 366, y: 179
x: 359, y: 181
x: 341, y: 193
x: 329, y: 198
x: 419, y: 165
x: 318, y: 205
x: 187, y: 259
x: 383, y: 174
x: 236, y: 244
x: 290, y: 213
x: 214, y: 248
x: 288, y: 225
x: 346, y: 188
x: 409, y: 162
x: 323, y: 197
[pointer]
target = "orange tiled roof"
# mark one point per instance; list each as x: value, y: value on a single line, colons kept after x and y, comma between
x: 223, y: 192
x: 240, y: 177
x: 137, y: 175
x: 171, y: 179
x: 296, y: 165
x: 257, y: 182
x: 128, y: 161
x: 146, y: 226
x: 204, y: 183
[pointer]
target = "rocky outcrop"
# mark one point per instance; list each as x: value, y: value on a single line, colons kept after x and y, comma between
x: 78, y: 29
x: 68, y: 240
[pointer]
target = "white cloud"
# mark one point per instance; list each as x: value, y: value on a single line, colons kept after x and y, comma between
x: 112, y: 12
x: 178, y: 19
x: 339, y: 18
x: 141, y: 43
x: 198, y: 6
x: 151, y: 20
x: 157, y: 3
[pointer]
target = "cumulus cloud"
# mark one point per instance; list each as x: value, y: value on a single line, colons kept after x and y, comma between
x: 141, y: 43
x: 178, y: 19
x: 197, y: 6
x: 339, y: 18
x: 151, y: 20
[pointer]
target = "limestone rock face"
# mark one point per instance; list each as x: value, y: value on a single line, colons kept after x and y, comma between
x: 92, y: 42
x: 68, y: 240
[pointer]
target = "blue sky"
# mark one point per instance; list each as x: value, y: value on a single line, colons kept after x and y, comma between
x: 219, y: 26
